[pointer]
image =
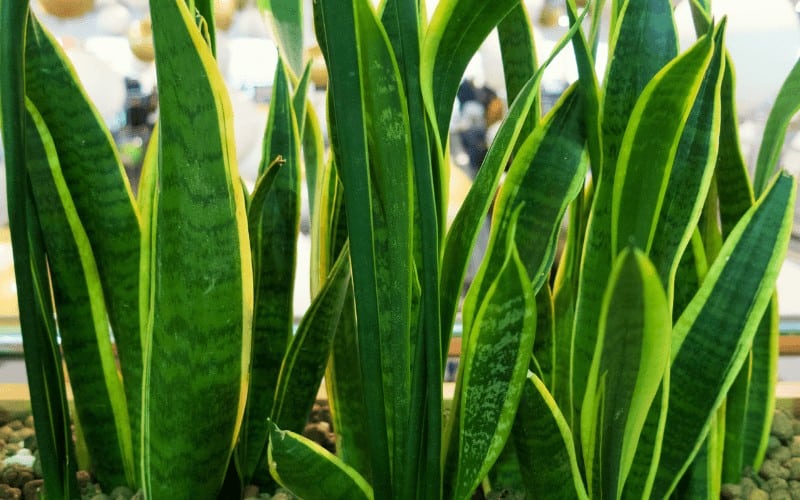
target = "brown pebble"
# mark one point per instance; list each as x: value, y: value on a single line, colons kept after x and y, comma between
x: 16, y: 425
x: 9, y: 493
x: 29, y: 421
x: 31, y: 489
x: 6, y: 432
x: 84, y: 478
x: 250, y: 490
x: 758, y: 494
x: 731, y: 491
x: 16, y: 475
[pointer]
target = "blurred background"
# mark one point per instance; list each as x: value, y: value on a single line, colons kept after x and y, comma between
x: 108, y: 42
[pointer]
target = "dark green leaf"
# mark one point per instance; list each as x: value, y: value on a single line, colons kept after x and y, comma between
x: 197, y: 348
x: 712, y: 338
x: 82, y: 321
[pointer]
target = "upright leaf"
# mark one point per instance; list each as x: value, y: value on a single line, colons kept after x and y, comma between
x: 95, y: 177
x: 197, y: 352
x: 273, y: 227
x: 712, y: 339
x: 615, y: 197
x: 82, y: 321
x: 375, y: 163
x: 43, y: 363
x: 494, y: 364
x: 627, y: 370
x: 286, y: 19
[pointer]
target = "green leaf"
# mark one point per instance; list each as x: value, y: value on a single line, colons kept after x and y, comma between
x: 96, y: 178
x: 712, y: 338
x: 42, y: 356
x: 761, y: 389
x: 368, y: 132
x: 286, y: 19
x: 309, y: 471
x: 627, y: 370
x: 197, y: 349
x: 787, y: 104
x: 619, y: 194
x: 305, y: 361
x: 545, y: 446
x: 465, y: 227
x: 632, y: 64
x: 401, y: 19
x: 491, y: 375
x: 455, y: 33
x: 82, y: 321
x: 518, y: 53
x: 273, y: 226
x: 547, y: 173
x: 691, y: 174
x: 650, y: 144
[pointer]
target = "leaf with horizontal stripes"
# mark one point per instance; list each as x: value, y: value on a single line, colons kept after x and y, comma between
x: 82, y: 320
x: 198, y: 338
x: 99, y: 188
x: 712, y: 338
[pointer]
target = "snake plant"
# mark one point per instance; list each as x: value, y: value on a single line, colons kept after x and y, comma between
x: 637, y: 361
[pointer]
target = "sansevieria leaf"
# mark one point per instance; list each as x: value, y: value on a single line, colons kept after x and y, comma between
x: 95, y: 178
x: 309, y: 471
x: 787, y: 104
x: 273, y: 225
x: 197, y: 350
x: 545, y: 446
x: 628, y: 366
x: 547, y: 173
x: 706, y: 350
x: 306, y: 358
x: 43, y: 364
x: 82, y: 321
x: 491, y: 375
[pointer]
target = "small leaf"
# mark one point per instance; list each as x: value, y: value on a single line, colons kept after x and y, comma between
x: 309, y: 471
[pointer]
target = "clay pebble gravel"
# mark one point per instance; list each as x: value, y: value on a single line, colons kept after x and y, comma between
x: 779, y: 475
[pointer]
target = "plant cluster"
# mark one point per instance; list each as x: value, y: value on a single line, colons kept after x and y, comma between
x: 637, y: 362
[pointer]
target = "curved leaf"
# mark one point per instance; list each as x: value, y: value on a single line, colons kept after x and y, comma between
x: 309, y: 471
x: 307, y: 356
x: 547, y: 173
x: 454, y: 35
x: 787, y: 104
